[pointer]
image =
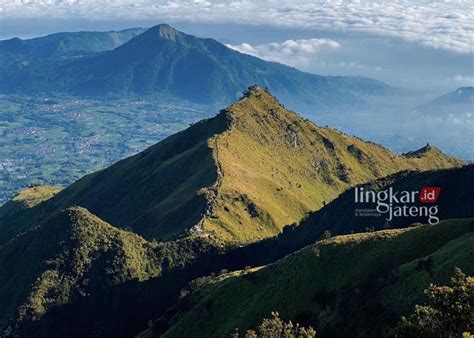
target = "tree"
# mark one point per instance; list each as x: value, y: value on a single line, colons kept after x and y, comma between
x: 275, y: 327
x: 448, y: 312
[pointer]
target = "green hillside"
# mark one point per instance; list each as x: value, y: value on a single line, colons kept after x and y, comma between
x: 112, y: 251
x: 354, y: 285
x: 27, y: 198
x: 123, y: 307
x: 338, y: 217
x: 238, y: 177
x: 71, y: 255
x: 290, y: 167
x: 75, y: 275
x: 164, y: 61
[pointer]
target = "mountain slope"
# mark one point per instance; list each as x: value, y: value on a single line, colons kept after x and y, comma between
x: 175, y: 263
x: 165, y: 61
x: 71, y: 255
x: 289, y: 166
x: 238, y: 177
x: 27, y: 198
x: 348, y: 285
x: 457, y: 102
x: 75, y: 275
x: 339, y: 216
x: 64, y: 45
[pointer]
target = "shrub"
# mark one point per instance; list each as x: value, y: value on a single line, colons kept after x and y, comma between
x: 275, y: 327
x: 448, y: 312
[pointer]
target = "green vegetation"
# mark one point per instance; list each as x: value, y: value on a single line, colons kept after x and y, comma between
x: 72, y: 254
x: 162, y: 60
x: 274, y: 327
x: 236, y: 178
x: 448, y: 312
x: 357, y: 285
x: 55, y: 140
x: 74, y: 272
x: 33, y: 196
x: 455, y: 201
x: 28, y: 198
x: 290, y: 167
x: 86, y: 261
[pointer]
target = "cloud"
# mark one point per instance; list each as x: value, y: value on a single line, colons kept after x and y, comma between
x: 464, y: 80
x: 291, y: 52
x: 447, y: 25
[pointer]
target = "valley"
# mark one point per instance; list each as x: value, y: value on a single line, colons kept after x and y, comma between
x: 55, y: 139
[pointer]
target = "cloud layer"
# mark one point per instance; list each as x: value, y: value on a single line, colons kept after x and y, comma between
x: 445, y: 25
x: 297, y: 53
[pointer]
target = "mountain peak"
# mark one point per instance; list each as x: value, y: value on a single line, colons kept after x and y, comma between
x: 254, y: 90
x: 422, y: 151
x: 465, y: 90
x: 164, y: 31
x: 434, y: 154
x: 263, y: 118
x: 256, y: 102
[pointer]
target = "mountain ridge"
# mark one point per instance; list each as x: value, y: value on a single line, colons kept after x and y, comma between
x: 60, y: 270
x: 189, y: 261
x: 458, y: 102
x: 338, y: 285
x: 113, y: 250
x: 290, y: 166
x: 65, y: 45
x: 164, y: 61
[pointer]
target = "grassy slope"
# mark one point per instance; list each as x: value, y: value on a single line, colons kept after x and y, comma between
x: 346, y: 284
x: 28, y: 198
x: 276, y: 166
x: 455, y: 201
x: 250, y: 170
x: 73, y: 254
x: 156, y: 193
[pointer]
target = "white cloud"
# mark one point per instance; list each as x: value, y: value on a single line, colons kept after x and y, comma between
x: 465, y: 81
x: 292, y: 52
x: 447, y: 25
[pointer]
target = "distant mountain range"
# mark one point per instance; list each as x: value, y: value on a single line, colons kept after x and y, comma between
x: 64, y: 45
x: 164, y: 61
x: 458, y: 102
x: 113, y: 252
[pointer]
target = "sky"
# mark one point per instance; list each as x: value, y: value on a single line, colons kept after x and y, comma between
x: 422, y: 45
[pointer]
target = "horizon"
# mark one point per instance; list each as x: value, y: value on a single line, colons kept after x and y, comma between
x: 433, y: 93
x: 436, y: 56
x: 199, y: 168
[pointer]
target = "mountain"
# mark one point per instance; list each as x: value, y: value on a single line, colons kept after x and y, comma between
x: 64, y: 45
x: 455, y: 200
x: 458, y: 102
x: 112, y: 252
x: 354, y: 285
x: 115, y: 281
x: 235, y: 178
x: 164, y: 61
x: 72, y: 255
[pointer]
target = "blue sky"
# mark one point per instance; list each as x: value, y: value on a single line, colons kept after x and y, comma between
x: 424, y: 45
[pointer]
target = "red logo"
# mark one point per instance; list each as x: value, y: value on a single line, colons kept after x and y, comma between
x: 429, y: 194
